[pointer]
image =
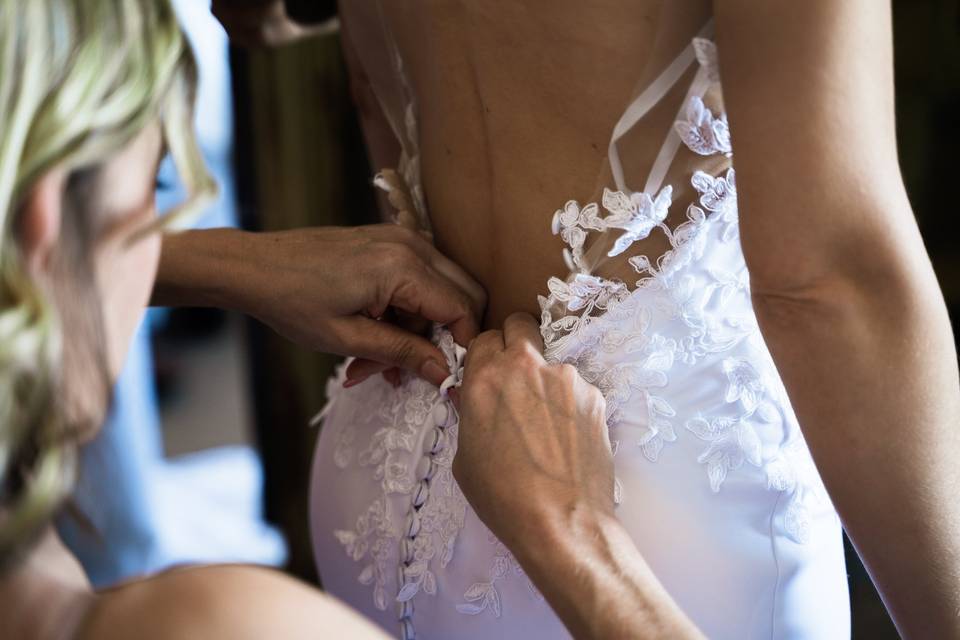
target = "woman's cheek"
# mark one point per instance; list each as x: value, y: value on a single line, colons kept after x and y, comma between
x: 125, y: 278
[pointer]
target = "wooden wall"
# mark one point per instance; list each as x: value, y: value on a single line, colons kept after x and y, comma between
x: 301, y: 163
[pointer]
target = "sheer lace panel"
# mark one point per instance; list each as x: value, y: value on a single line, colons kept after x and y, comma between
x: 627, y: 239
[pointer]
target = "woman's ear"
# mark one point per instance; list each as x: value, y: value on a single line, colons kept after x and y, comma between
x: 38, y: 229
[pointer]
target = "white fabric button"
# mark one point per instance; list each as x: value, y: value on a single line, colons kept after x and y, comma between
x: 405, y: 610
x: 413, y: 524
x: 443, y: 415
x: 426, y: 468
x: 406, y: 550
x: 555, y: 222
x: 421, y: 494
x: 431, y: 441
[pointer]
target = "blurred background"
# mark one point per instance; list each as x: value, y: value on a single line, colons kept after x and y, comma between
x: 227, y: 481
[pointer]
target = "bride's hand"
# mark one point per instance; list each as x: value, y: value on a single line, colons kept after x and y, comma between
x: 533, y: 444
x: 325, y: 288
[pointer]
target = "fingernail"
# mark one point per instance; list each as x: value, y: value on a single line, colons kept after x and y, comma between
x: 433, y: 372
x: 354, y: 382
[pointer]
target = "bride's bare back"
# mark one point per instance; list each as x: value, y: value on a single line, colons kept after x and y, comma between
x: 516, y: 104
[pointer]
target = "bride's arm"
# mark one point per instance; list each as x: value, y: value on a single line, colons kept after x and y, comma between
x: 843, y: 288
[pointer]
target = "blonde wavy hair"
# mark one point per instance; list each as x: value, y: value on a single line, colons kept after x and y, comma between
x: 79, y: 79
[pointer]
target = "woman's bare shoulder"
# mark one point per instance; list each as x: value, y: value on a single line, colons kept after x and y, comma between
x: 222, y: 601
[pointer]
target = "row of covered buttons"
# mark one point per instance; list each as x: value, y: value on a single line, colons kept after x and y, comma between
x: 443, y: 416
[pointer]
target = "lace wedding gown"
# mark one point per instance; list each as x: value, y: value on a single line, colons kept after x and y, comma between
x: 713, y: 479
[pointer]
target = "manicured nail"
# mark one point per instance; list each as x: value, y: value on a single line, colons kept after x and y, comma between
x: 434, y: 372
x: 354, y: 382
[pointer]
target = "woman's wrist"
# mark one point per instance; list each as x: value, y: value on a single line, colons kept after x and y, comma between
x: 204, y: 268
x: 560, y: 529
x: 586, y: 565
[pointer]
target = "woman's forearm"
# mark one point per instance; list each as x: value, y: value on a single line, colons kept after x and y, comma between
x: 561, y: 527
x: 200, y: 268
x: 589, y: 570
x: 872, y: 374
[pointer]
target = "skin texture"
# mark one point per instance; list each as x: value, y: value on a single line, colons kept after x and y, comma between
x: 825, y: 309
x: 323, y: 287
x: 516, y: 104
x: 842, y: 286
x: 526, y: 423
x: 847, y: 302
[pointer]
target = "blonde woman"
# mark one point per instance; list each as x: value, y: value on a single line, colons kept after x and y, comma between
x: 91, y: 94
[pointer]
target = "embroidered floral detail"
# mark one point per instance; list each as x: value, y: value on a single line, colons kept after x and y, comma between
x: 441, y: 518
x: 706, y: 52
x: 675, y: 315
x: 618, y: 384
x: 733, y: 439
x: 590, y: 295
x: 719, y: 195
x: 398, y: 195
x: 660, y: 429
x: 586, y: 294
x: 744, y: 385
x: 729, y: 284
x: 731, y: 442
x: 403, y: 186
x: 790, y: 471
x: 572, y: 223
x: 372, y: 540
x: 702, y: 132
x: 637, y: 214
x: 483, y: 596
x: 586, y: 291
x: 344, y: 452
x: 438, y: 508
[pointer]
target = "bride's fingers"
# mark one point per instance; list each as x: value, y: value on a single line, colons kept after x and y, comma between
x: 521, y: 329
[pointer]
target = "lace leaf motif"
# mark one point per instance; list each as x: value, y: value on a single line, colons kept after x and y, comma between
x: 637, y: 214
x: 702, y: 132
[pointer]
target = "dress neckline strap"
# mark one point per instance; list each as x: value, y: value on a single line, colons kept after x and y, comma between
x: 648, y: 99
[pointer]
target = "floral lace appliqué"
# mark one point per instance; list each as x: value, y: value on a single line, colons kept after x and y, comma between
x: 701, y: 132
x: 484, y: 596
x: 437, y: 508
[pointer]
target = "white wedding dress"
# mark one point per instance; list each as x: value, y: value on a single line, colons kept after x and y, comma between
x: 714, y: 481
